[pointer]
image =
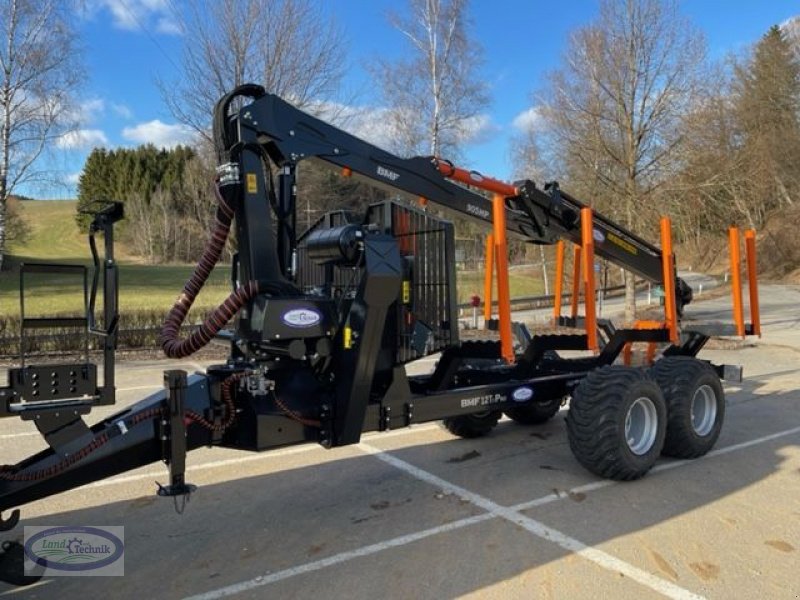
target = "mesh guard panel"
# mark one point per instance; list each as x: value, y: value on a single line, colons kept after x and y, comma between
x: 424, y: 319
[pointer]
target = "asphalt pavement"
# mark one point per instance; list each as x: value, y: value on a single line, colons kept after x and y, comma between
x: 418, y: 513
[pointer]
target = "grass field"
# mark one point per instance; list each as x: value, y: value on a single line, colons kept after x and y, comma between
x: 55, y: 237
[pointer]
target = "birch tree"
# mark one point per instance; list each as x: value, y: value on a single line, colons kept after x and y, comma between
x: 435, y: 95
x: 40, y: 70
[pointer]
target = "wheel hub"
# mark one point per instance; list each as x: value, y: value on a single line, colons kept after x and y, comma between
x: 641, y: 426
x: 704, y: 410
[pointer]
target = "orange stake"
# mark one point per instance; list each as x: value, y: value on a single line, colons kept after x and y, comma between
x: 576, y: 281
x: 736, y: 280
x: 559, y: 286
x: 487, y: 280
x: 668, y: 273
x: 752, y: 280
x: 503, y: 291
x: 587, y: 244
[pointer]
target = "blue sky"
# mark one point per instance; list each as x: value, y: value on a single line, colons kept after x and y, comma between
x: 130, y: 43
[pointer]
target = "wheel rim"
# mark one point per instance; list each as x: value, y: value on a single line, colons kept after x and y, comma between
x: 641, y: 425
x: 704, y: 410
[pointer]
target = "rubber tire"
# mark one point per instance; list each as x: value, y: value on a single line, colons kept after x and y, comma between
x: 474, y: 425
x: 679, y: 377
x: 596, y: 422
x: 534, y: 414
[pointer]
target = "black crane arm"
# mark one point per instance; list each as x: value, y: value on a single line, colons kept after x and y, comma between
x: 289, y: 135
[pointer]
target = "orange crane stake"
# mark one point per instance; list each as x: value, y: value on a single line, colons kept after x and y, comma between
x: 587, y: 243
x: 487, y: 280
x: 752, y: 280
x: 503, y: 291
x: 736, y: 280
x: 559, y: 286
x: 576, y: 281
x: 668, y: 273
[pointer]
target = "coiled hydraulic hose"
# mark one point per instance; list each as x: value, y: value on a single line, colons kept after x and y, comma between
x: 171, y: 344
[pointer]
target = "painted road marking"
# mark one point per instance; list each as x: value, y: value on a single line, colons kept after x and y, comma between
x: 674, y: 464
x: 539, y: 529
x: 403, y: 540
x: 336, y: 559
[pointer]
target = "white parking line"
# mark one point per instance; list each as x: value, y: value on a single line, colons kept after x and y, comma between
x: 513, y: 511
x: 9, y: 436
x: 603, y: 483
x: 140, y: 387
x: 539, y: 529
x: 336, y: 559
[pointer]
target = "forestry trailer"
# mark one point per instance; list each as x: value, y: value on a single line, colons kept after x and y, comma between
x: 326, y: 322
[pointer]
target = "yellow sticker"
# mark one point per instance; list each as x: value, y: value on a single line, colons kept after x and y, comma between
x: 348, y: 334
x: 616, y: 240
x: 406, y: 291
x: 252, y: 183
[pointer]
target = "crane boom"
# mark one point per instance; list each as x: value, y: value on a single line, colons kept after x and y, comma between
x: 541, y: 216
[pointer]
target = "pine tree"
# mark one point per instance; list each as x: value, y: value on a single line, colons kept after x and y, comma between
x: 149, y: 181
x: 768, y: 111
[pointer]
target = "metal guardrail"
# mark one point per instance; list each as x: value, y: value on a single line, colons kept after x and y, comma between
x: 533, y: 302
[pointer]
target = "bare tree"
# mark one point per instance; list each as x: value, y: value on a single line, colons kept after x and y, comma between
x: 527, y: 156
x: 40, y: 70
x: 711, y: 189
x: 617, y: 101
x: 288, y: 46
x: 435, y: 95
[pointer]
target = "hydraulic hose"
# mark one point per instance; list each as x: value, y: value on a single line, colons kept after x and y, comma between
x: 171, y: 344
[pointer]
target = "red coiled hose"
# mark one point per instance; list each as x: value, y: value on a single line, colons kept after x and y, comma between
x: 171, y: 344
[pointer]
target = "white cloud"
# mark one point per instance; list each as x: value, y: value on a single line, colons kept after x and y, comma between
x: 72, y: 179
x: 162, y: 135
x: 168, y: 25
x: 82, y: 139
x: 92, y: 107
x: 528, y: 119
x: 122, y: 110
x: 86, y: 112
x: 376, y: 125
x: 476, y: 130
x: 366, y: 122
x: 135, y: 15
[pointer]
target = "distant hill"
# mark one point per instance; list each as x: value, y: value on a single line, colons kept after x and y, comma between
x: 54, y: 232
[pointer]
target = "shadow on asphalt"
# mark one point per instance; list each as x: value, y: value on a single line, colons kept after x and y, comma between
x: 247, y: 527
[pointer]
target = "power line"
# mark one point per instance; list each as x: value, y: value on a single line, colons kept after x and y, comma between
x: 153, y: 39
